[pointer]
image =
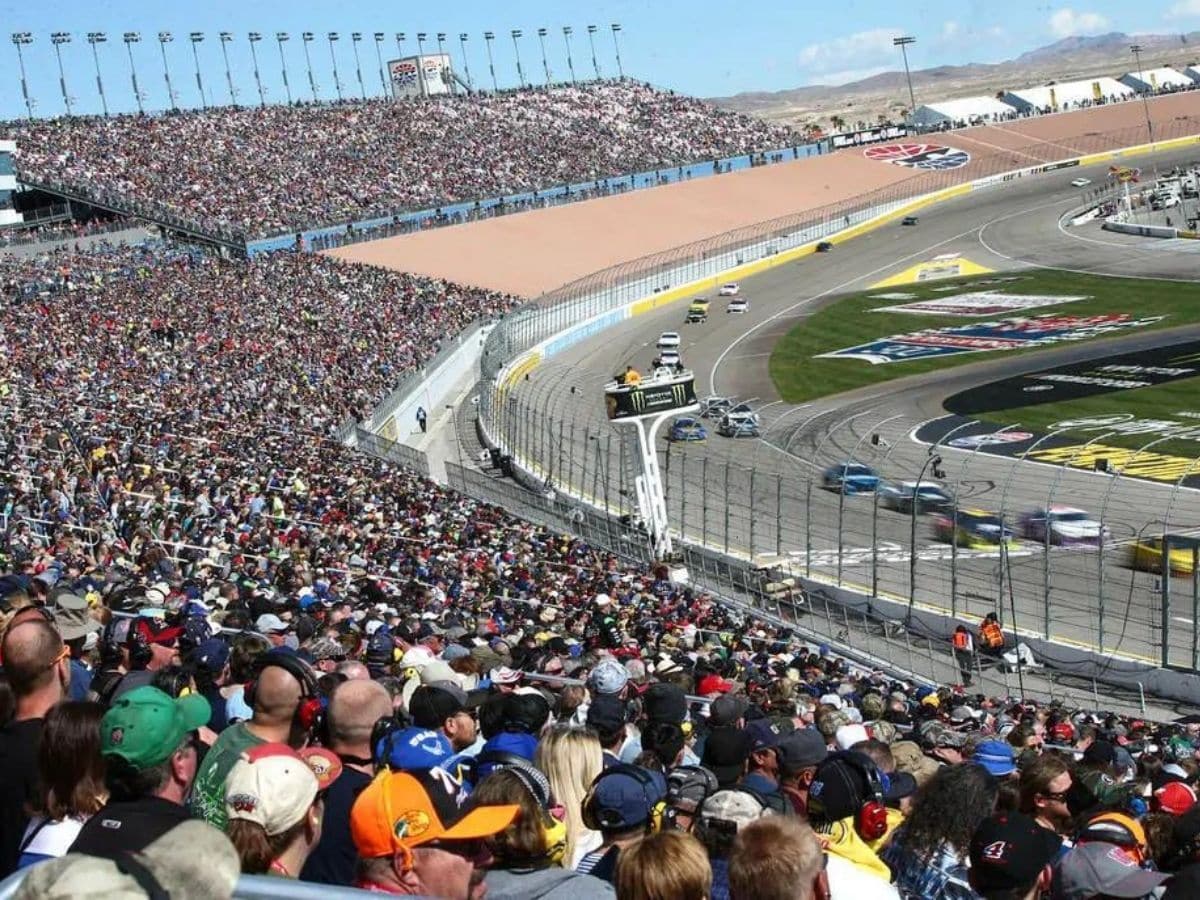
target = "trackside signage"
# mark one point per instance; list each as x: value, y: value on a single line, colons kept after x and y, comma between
x: 625, y: 403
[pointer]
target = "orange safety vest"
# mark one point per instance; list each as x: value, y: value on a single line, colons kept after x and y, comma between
x: 962, y: 640
x: 632, y: 377
x: 993, y: 637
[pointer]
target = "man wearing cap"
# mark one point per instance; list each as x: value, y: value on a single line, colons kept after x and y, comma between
x: 354, y: 708
x: 762, y: 765
x: 445, y: 706
x: 606, y: 716
x: 1011, y: 857
x: 149, y: 744
x: 414, y: 837
x: 75, y: 623
x: 622, y: 804
x: 799, y: 755
x: 718, y: 822
x: 997, y: 757
x: 1102, y: 870
x: 210, y: 660
x: 273, y: 627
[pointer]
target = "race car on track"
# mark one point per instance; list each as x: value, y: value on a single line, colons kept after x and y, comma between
x: 738, y: 305
x: 1081, y: 182
x: 696, y: 315
x: 713, y: 407
x: 909, y: 220
x: 686, y: 429
x: 1146, y: 556
x: 1068, y: 526
x: 729, y: 290
x: 929, y: 497
x: 824, y: 247
x: 850, y: 478
x: 668, y: 340
x: 669, y: 359
x: 738, y: 424
x: 973, y: 528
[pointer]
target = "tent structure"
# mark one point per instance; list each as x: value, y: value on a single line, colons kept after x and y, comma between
x: 1151, y: 80
x: 961, y: 112
x: 1067, y: 96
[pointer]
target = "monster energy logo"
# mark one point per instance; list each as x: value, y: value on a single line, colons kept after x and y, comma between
x: 654, y: 398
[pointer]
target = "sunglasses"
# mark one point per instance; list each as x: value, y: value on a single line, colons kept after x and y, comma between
x: 468, y: 850
x: 1060, y: 796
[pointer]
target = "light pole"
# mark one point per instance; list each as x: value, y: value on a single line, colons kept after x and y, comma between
x: 164, y: 38
x: 196, y: 37
x: 545, y: 64
x: 902, y: 43
x: 307, y: 38
x: 516, y: 33
x: 226, y: 37
x: 94, y: 38
x: 1136, y: 50
x: 355, y: 38
x: 131, y: 38
x: 441, y: 40
x: 280, y: 37
x: 59, y: 38
x: 462, y: 43
x: 337, y: 81
x: 400, y: 39
x: 567, y: 41
x: 20, y: 39
x: 591, y: 30
x: 488, y: 37
x: 616, y: 29
x: 255, y: 37
x: 421, y: 35
x: 379, y: 38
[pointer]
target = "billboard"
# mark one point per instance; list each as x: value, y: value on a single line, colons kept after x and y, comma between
x: 421, y: 76
x: 630, y: 402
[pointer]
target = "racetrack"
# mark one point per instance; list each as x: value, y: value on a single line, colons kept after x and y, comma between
x: 764, y: 495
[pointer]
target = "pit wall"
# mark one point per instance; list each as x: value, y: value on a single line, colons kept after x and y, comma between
x: 658, y: 291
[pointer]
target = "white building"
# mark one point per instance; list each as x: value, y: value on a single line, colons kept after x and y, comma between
x: 8, y: 183
x: 962, y: 112
x: 1067, y: 96
x: 1151, y: 80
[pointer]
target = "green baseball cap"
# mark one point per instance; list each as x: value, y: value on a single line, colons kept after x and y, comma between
x: 145, y: 726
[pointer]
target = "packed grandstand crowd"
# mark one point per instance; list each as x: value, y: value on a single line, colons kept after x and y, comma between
x: 246, y: 172
x: 232, y: 645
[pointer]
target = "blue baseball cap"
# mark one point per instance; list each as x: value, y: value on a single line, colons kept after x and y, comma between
x: 413, y: 749
x: 621, y: 800
x: 995, y: 756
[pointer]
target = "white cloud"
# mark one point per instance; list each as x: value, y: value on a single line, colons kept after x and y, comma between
x: 854, y: 52
x: 846, y: 76
x: 950, y: 29
x: 1184, y: 9
x: 1066, y: 22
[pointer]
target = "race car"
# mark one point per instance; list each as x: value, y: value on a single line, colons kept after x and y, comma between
x: 686, y: 429
x: 930, y: 497
x: 1081, y: 182
x: 738, y: 424
x: 738, y: 306
x: 729, y: 290
x: 850, y: 478
x: 669, y: 359
x: 909, y: 220
x: 1068, y: 526
x: 973, y: 528
x: 1145, y: 555
x: 668, y: 340
x: 715, y: 407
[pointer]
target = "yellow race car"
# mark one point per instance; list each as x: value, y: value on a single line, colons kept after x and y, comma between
x: 973, y: 528
x: 1145, y: 555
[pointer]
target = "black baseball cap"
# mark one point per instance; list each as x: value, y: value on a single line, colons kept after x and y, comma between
x: 665, y: 702
x: 1008, y: 850
x: 432, y: 704
x: 839, y: 789
x: 725, y: 753
x: 606, y: 713
x: 802, y: 748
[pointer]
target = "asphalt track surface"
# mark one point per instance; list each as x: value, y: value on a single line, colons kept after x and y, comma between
x: 763, y: 497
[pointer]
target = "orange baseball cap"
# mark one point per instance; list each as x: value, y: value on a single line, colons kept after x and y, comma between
x: 407, y: 809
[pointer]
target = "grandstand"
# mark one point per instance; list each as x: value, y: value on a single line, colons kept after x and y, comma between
x: 1070, y: 95
x: 962, y: 112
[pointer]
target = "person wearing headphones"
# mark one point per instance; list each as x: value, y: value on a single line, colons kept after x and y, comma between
x: 847, y: 808
x: 284, y: 684
x: 624, y: 804
x: 529, y: 853
x: 720, y: 817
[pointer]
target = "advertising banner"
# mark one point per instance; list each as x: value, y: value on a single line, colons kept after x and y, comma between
x: 631, y: 402
x: 979, y: 303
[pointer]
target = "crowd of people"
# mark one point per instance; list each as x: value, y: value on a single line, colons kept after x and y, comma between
x: 231, y: 645
x: 253, y: 172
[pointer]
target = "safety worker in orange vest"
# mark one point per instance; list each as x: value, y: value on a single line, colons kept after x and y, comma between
x: 964, y: 652
x: 991, y: 636
x: 632, y: 377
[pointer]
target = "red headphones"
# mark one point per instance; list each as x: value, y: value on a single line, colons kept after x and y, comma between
x: 871, y: 819
x: 311, y: 709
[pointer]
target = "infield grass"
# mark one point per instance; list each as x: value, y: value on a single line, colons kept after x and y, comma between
x: 851, y: 321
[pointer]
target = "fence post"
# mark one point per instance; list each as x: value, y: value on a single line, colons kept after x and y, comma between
x: 752, y: 516
x: 704, y: 503
x: 779, y: 514
x: 726, y: 505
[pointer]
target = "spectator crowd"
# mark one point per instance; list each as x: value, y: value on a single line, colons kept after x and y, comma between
x: 231, y: 645
x: 253, y: 172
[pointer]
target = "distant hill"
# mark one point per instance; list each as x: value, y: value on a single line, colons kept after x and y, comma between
x: 886, y: 94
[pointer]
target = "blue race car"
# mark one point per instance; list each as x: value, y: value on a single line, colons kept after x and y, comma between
x: 851, y: 478
x: 685, y: 428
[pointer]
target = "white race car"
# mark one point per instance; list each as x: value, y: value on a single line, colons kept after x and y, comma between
x: 669, y: 358
x: 1081, y: 182
x: 729, y: 290
x: 668, y: 340
x: 738, y: 305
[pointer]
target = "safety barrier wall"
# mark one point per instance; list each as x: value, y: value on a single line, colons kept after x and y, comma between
x: 404, y: 221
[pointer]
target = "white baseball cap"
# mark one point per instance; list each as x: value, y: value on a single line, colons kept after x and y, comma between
x: 274, y: 786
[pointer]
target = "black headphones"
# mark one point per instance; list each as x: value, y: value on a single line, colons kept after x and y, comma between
x: 870, y: 821
x: 310, y: 711
x: 608, y: 820
x: 676, y: 780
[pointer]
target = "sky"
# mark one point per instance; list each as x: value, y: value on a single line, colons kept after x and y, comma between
x: 695, y: 47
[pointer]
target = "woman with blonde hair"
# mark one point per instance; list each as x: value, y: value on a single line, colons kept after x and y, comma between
x: 572, y: 758
x: 670, y: 865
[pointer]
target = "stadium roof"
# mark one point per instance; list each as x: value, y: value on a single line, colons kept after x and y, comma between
x: 967, y: 108
x: 1159, y: 78
x: 1058, y: 95
x: 1193, y: 72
